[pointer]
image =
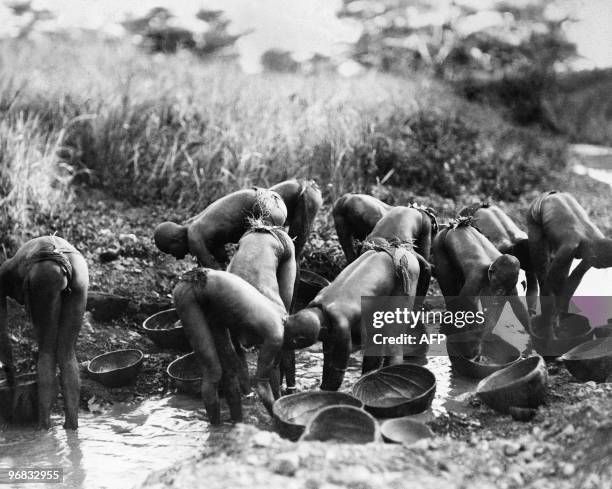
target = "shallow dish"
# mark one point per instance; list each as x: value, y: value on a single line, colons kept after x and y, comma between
x: 404, y: 430
x: 573, y: 330
x: 591, y: 360
x: 522, y: 384
x: 342, y: 424
x: 166, y: 331
x: 293, y: 412
x: 309, y: 285
x: 116, y: 368
x: 186, y: 375
x: 396, y: 390
x: 498, y: 352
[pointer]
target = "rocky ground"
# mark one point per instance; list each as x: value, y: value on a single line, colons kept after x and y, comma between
x: 568, y: 443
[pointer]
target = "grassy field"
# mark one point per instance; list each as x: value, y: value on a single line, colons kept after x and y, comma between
x: 175, y: 130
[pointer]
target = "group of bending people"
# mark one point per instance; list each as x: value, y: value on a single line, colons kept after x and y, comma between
x: 390, y: 250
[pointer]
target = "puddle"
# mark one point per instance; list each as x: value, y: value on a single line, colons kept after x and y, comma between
x: 593, y: 161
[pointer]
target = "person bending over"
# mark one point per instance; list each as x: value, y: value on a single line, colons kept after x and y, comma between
x: 355, y: 215
x: 560, y: 231
x: 469, y: 266
x: 266, y: 259
x: 508, y: 238
x: 303, y: 200
x: 387, y: 269
x: 224, y: 221
x: 222, y: 311
x: 49, y: 276
x: 414, y: 224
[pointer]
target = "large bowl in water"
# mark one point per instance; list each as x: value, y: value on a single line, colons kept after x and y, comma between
x: 591, y: 360
x: 186, y: 374
x: 404, y: 430
x: 396, y: 390
x: 573, y: 330
x: 309, y: 285
x: 116, y: 368
x: 25, y: 408
x: 496, y: 354
x: 342, y: 424
x: 166, y: 331
x: 522, y: 384
x: 293, y: 412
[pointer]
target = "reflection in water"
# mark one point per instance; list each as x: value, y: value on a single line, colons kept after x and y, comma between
x: 115, y: 449
x: 120, y: 447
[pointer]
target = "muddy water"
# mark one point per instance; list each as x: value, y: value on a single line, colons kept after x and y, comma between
x: 119, y: 447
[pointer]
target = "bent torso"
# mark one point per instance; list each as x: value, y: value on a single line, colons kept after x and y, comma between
x: 498, y: 227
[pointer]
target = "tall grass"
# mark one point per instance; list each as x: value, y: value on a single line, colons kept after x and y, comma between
x: 171, y: 128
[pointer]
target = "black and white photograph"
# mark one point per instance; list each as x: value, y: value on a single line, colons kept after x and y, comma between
x: 306, y: 244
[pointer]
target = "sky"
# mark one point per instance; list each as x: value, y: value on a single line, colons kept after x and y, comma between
x: 305, y: 26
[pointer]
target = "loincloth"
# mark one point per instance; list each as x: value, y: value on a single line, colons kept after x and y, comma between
x: 258, y: 226
x: 197, y: 277
x: 265, y: 202
x: 430, y: 213
x: 58, y: 256
x: 470, y: 210
x: 535, y: 209
x: 399, y: 252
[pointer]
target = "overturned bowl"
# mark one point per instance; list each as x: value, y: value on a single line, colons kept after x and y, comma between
x: 309, y: 285
x: 603, y: 331
x: 116, y: 368
x: 105, y: 306
x: 396, y: 390
x: 404, y: 430
x: 342, y: 424
x: 522, y: 384
x: 573, y: 330
x: 186, y: 375
x: 293, y: 412
x: 496, y: 354
x: 591, y: 360
x: 166, y: 331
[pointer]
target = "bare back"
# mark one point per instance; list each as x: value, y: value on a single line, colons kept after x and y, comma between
x: 259, y: 258
x: 563, y: 220
x: 468, y: 248
x: 226, y: 219
x: 498, y: 227
x: 361, y: 212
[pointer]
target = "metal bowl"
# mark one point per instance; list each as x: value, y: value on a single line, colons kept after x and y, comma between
x: 591, y: 360
x: 603, y: 331
x: 522, y: 384
x: 166, y: 331
x: 293, y: 412
x: 309, y: 285
x: 186, y: 375
x: 498, y: 352
x: 342, y: 424
x: 573, y: 330
x: 116, y: 368
x: 404, y: 430
x: 396, y: 390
